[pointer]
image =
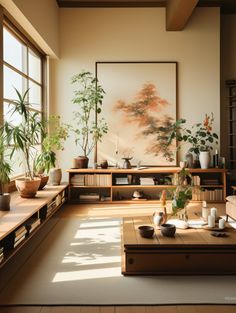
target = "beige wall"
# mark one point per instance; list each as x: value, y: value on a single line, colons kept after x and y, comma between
x: 90, y: 35
x: 40, y: 18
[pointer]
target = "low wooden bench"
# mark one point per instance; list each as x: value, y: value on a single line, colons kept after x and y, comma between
x: 25, y: 211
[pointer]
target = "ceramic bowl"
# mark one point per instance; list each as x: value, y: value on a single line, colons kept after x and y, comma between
x: 146, y: 231
x: 168, y: 230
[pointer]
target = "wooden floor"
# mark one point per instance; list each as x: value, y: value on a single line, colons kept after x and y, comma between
x: 73, y: 211
x: 124, y: 309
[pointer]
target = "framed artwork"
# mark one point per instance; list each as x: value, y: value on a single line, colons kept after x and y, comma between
x: 139, y: 105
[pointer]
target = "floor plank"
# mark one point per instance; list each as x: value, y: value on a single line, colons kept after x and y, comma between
x: 61, y: 309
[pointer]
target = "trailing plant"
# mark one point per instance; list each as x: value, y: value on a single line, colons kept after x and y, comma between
x: 89, y: 129
x: 53, y: 137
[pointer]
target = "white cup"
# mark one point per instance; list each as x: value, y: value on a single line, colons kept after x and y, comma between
x: 214, y: 213
x: 205, y: 213
x: 221, y: 223
x: 211, y: 221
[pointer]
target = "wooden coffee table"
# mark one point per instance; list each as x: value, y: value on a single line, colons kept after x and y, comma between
x: 191, y: 251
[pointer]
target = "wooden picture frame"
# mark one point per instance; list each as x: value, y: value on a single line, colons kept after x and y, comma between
x: 140, y: 99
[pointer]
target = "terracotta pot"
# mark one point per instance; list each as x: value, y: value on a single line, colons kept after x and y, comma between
x: 55, y: 176
x: 5, y: 202
x: 43, y: 183
x: 27, y: 187
x: 82, y: 162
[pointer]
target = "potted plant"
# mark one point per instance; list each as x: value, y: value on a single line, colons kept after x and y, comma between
x: 182, y: 192
x: 5, y: 170
x: 24, y: 137
x: 53, y: 136
x: 88, y: 129
x: 200, y: 136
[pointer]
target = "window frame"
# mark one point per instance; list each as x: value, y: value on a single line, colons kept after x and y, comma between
x: 16, y: 31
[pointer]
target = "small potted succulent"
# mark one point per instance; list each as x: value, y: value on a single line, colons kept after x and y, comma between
x: 88, y: 128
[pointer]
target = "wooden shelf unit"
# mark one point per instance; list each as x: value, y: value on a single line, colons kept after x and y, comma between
x: 112, y: 192
x: 231, y: 99
x: 26, y: 212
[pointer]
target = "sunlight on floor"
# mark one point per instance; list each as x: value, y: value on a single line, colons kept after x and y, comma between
x: 91, y: 259
x: 87, y: 274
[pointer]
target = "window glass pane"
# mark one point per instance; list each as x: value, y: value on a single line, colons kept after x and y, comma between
x: 11, y: 80
x: 35, y: 98
x: 16, y: 162
x: 14, y: 52
x: 34, y: 66
x: 15, y: 118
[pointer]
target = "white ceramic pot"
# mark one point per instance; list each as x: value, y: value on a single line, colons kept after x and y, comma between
x: 55, y: 175
x: 204, y: 159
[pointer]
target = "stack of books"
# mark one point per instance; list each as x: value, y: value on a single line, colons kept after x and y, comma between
x: 19, y: 235
x: 207, y: 195
x: 214, y: 181
x: 146, y: 181
x: 1, y: 254
x: 122, y: 180
x: 32, y: 224
x: 77, y: 180
x: 51, y: 207
x: 89, y: 197
x: 196, y: 180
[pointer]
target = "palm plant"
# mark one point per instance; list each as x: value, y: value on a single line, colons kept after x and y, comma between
x: 25, y: 136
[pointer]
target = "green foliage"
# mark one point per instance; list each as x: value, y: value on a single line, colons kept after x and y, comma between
x: 89, y: 95
x: 183, y: 191
x: 200, y: 136
x: 53, y: 137
x: 27, y: 134
x: 5, y: 168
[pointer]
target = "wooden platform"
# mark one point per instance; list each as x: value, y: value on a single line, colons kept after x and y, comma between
x: 191, y: 251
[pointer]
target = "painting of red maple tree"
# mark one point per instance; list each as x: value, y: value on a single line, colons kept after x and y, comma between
x: 139, y: 105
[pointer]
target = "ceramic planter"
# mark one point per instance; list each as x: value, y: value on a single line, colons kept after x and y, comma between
x: 82, y: 162
x: 5, y: 202
x: 55, y: 176
x: 204, y: 159
x: 27, y: 187
x: 43, y: 183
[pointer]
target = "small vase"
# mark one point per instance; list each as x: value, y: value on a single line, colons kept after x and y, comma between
x: 127, y: 163
x: 5, y: 202
x: 104, y: 164
x: 204, y: 159
x: 55, y: 175
x: 189, y: 160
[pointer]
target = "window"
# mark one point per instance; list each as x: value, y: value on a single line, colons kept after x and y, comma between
x: 22, y: 69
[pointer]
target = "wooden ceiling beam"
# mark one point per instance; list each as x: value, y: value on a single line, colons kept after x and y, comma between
x: 178, y: 13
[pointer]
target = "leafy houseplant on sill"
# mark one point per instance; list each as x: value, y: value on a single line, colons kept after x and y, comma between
x: 200, y: 136
x: 89, y: 129
x: 5, y: 171
x: 53, y: 136
x: 24, y: 137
